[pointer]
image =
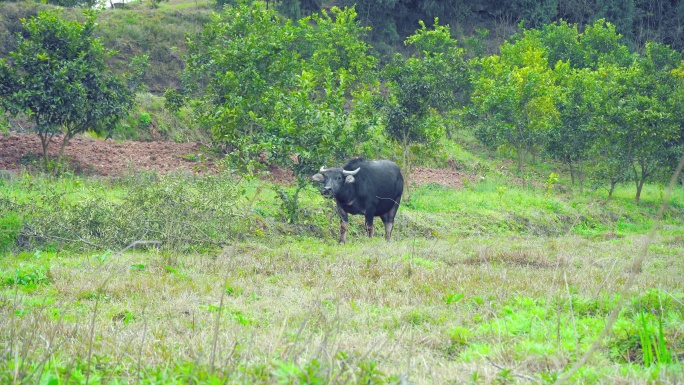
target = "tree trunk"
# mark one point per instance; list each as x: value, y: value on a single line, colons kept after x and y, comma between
x: 580, y: 175
x: 640, y: 185
x: 520, y: 164
x: 407, y: 167
x: 636, y: 177
x: 45, y: 139
x: 572, y: 173
x: 612, y: 188
x: 641, y: 182
x: 65, y: 142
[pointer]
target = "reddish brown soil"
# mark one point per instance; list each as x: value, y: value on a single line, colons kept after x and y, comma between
x: 450, y: 178
x: 104, y: 157
x: 110, y: 158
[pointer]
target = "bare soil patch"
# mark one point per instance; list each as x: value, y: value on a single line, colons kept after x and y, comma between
x: 449, y: 178
x: 91, y: 156
x: 106, y: 157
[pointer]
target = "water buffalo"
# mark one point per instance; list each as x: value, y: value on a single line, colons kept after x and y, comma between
x: 369, y: 187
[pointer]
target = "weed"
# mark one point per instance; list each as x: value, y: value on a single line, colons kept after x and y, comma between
x: 27, y: 276
x: 550, y: 183
x: 10, y: 225
x: 460, y: 336
x: 453, y: 298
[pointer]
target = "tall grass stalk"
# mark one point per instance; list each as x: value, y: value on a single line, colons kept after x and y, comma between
x: 636, y: 269
x: 142, y: 344
x: 218, y: 316
x: 572, y: 313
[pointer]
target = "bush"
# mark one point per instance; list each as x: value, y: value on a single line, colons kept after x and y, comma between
x: 10, y: 224
x: 153, y: 120
x: 182, y: 212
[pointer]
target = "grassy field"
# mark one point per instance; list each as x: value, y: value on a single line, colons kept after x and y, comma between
x: 492, y: 283
x: 226, y: 279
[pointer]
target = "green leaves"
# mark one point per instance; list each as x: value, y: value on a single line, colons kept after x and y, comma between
x: 58, y: 77
x: 581, y: 96
x: 424, y: 87
x: 516, y: 95
x: 279, y: 89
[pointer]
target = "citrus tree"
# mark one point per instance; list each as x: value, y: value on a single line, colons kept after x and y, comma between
x: 515, y: 97
x: 422, y: 88
x: 59, y: 79
x: 572, y: 138
x: 638, y: 126
x: 654, y: 122
x: 288, y: 91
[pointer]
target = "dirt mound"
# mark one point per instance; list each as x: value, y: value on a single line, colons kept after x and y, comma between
x: 106, y: 157
x: 110, y: 158
x: 450, y: 178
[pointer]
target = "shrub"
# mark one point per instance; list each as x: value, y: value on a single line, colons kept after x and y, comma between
x: 10, y: 224
x: 181, y: 212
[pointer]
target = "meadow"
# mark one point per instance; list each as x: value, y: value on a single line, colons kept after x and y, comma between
x: 187, y: 279
x: 227, y: 278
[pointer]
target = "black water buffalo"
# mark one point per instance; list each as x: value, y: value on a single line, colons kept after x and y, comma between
x: 369, y: 187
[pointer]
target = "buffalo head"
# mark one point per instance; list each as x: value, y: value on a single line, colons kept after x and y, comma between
x: 333, y: 179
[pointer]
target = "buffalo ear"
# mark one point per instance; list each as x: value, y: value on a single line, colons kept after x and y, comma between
x: 318, y: 178
x: 349, y: 179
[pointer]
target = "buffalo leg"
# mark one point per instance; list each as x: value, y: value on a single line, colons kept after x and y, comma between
x: 388, y: 220
x: 389, y: 223
x: 344, y: 220
x: 370, y: 214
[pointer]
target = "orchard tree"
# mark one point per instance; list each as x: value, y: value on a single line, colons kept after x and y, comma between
x: 677, y: 101
x: 597, y: 44
x: 601, y: 44
x: 290, y: 91
x: 297, y: 93
x: 59, y: 79
x: 639, y: 119
x: 515, y: 97
x: 422, y: 88
x: 572, y: 138
x: 561, y: 42
x: 238, y: 67
x: 656, y: 124
x: 612, y: 151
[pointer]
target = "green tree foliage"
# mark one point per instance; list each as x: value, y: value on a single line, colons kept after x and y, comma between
x: 575, y: 56
x: 58, y: 77
x: 638, y: 20
x: 515, y: 97
x: 611, y: 151
x: 571, y: 138
x: 424, y: 87
x: 653, y: 120
x: 290, y: 91
x: 601, y: 43
x: 598, y: 43
x: 87, y: 4
x: 617, y: 108
x: 535, y: 13
x: 295, y: 9
x: 240, y: 64
x: 638, y: 129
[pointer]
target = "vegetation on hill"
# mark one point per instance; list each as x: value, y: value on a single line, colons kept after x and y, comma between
x: 308, y: 92
x: 226, y: 278
x: 58, y: 78
x: 488, y: 283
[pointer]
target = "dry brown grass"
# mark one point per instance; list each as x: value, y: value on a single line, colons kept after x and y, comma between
x: 306, y: 301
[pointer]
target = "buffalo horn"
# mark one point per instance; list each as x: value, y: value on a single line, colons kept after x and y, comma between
x: 322, y: 170
x: 345, y: 172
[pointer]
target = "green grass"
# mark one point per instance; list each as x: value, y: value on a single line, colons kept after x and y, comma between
x: 479, y: 284
x: 432, y: 311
